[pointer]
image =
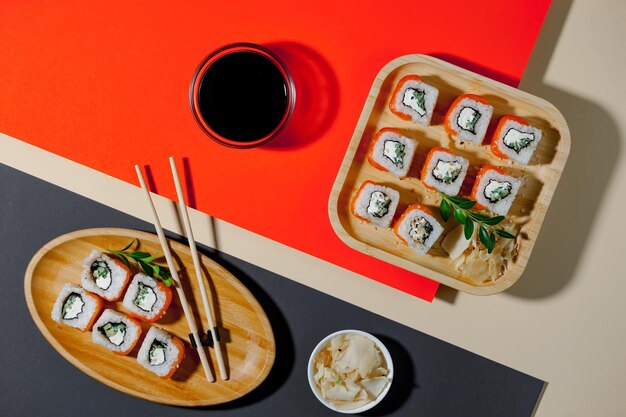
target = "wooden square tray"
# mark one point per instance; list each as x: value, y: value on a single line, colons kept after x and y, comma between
x: 540, y: 177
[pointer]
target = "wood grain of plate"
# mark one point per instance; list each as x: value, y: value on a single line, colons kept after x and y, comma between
x: 540, y: 177
x: 247, y: 336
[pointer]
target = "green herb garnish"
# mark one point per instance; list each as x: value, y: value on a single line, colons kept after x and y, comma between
x: 111, y: 330
x: 379, y: 204
x: 69, y: 303
x: 394, y: 151
x: 157, y: 347
x: 101, y: 271
x: 499, y: 190
x: 420, y: 230
x: 144, y: 291
x: 472, y: 123
x: 447, y: 171
x: 460, y: 209
x: 144, y: 260
x: 418, y: 95
x: 520, y: 143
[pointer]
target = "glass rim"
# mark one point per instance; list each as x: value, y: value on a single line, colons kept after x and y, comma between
x: 206, y: 63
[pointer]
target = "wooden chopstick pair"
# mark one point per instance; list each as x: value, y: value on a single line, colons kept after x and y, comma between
x: 197, y: 267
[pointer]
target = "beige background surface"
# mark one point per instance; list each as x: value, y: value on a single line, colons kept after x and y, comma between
x: 563, y: 321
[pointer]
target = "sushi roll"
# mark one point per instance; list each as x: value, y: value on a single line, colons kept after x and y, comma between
x: 375, y: 203
x: 390, y: 151
x: 414, y: 100
x: 444, y: 171
x: 468, y: 118
x: 116, y: 332
x: 495, y: 190
x: 515, y: 139
x: 76, y: 307
x: 418, y: 228
x: 104, y: 276
x: 161, y: 353
x: 146, y: 298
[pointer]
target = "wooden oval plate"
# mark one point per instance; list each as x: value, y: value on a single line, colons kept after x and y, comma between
x: 540, y: 177
x: 247, y: 337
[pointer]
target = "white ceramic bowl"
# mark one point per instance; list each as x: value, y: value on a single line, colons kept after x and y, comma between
x: 315, y: 388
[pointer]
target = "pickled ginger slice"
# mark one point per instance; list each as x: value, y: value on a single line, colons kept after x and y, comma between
x: 361, y: 354
x: 375, y: 386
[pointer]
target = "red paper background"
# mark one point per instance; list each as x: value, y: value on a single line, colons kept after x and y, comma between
x: 106, y: 84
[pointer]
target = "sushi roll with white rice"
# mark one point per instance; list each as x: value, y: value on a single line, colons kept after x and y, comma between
x: 104, y: 276
x: 390, y: 151
x: 418, y: 228
x: 161, y: 353
x: 375, y: 203
x: 76, y: 307
x: 116, y: 332
x: 414, y: 100
x: 495, y: 190
x: 146, y: 298
x: 515, y: 139
x: 444, y: 171
x: 468, y: 117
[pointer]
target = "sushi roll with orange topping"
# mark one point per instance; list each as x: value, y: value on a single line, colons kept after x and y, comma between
x: 76, y: 307
x: 375, y: 204
x: 116, y: 331
x: 414, y: 100
x: 418, y: 228
x: 390, y: 151
x: 146, y: 298
x: 468, y: 117
x: 515, y: 139
x: 444, y: 171
x: 104, y: 276
x: 161, y: 353
x: 495, y: 190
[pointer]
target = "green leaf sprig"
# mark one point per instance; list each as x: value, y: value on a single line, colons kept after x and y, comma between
x: 144, y: 260
x: 460, y: 210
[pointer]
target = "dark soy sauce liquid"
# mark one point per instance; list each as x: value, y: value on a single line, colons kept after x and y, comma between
x: 243, y: 96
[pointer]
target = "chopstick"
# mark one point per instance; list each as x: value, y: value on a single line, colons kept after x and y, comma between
x: 196, y: 265
x: 175, y: 277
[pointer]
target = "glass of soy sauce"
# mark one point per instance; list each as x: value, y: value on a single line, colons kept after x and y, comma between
x: 242, y: 95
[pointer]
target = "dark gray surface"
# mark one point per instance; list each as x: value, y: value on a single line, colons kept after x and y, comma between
x: 433, y: 378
